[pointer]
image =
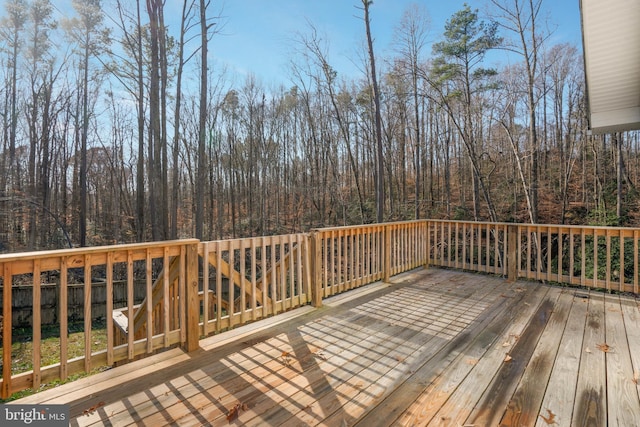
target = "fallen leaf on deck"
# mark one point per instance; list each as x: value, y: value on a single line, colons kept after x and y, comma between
x: 508, y: 358
x: 604, y: 347
x: 286, y: 357
x: 400, y: 358
x: 636, y: 377
x: 550, y: 418
x: 235, y: 411
x: 506, y: 344
x: 92, y: 409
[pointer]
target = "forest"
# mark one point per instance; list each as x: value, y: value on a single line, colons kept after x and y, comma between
x: 117, y: 128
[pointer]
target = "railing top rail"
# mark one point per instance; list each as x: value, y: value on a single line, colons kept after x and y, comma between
x: 523, y: 224
x: 372, y: 225
x: 19, y: 256
x: 240, y: 239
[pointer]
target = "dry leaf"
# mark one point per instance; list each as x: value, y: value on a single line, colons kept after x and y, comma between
x: 399, y: 358
x: 604, y: 347
x: 508, y: 358
x: 506, y: 344
x: 234, y: 412
x: 550, y: 418
x: 636, y: 376
x: 286, y: 357
x: 92, y: 409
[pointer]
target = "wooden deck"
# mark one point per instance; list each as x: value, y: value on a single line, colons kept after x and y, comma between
x: 435, y: 347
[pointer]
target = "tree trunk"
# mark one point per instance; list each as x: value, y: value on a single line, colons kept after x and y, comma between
x: 378, y: 120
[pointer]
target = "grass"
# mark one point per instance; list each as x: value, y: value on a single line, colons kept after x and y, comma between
x: 22, y: 350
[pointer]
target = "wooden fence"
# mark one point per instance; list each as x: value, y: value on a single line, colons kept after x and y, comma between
x: 22, y: 301
x: 194, y: 289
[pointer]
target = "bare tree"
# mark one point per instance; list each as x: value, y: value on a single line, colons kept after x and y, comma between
x: 380, y: 196
x: 205, y: 26
x: 318, y: 55
x: 521, y: 17
x: 90, y: 35
x: 11, y: 29
x: 411, y: 38
x: 458, y: 79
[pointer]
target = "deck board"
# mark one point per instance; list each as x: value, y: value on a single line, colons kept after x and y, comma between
x: 447, y: 398
x: 427, y: 349
x: 490, y: 409
x: 557, y: 404
x: 524, y: 406
x: 624, y: 409
x: 476, y: 337
x: 590, y: 403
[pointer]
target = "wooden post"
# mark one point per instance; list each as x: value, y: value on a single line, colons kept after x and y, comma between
x: 192, y: 302
x: 427, y: 243
x: 386, y: 254
x: 512, y: 253
x: 7, y: 282
x: 316, y: 269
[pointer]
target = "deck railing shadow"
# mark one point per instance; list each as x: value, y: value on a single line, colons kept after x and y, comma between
x: 193, y: 289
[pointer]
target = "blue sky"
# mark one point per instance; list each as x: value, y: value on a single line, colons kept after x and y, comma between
x: 257, y: 34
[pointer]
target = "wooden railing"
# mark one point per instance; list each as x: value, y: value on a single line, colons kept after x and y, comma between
x: 65, y: 267
x: 349, y: 257
x: 248, y: 279
x: 588, y: 256
x: 194, y: 289
x: 474, y: 246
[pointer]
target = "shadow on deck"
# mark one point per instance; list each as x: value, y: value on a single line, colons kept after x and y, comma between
x: 434, y: 347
